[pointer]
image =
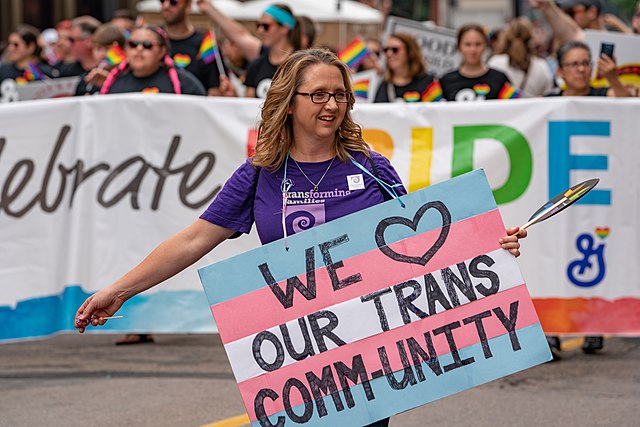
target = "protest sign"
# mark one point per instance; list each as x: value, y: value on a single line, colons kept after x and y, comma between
x: 377, y: 312
x: 11, y: 91
x: 438, y: 44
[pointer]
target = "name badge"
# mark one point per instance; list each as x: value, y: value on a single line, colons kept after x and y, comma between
x: 356, y: 182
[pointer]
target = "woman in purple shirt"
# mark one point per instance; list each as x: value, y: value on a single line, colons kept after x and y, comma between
x: 311, y: 166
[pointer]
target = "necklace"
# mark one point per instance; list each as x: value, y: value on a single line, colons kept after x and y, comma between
x: 315, y: 185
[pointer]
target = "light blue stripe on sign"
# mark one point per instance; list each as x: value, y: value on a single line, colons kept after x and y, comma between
x: 387, y: 402
x: 465, y: 196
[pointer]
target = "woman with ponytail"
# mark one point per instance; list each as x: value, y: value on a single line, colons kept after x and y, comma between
x: 279, y: 31
x: 517, y: 60
x: 148, y: 67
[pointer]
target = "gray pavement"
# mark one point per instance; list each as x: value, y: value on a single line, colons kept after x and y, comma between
x: 185, y: 380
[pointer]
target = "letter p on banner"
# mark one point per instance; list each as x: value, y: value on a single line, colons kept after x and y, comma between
x: 449, y: 311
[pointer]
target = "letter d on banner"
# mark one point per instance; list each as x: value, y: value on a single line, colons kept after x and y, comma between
x: 520, y: 157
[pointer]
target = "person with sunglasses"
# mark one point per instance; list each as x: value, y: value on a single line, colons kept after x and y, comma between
x: 186, y: 42
x: 307, y: 148
x: 25, y: 62
x: 474, y: 80
x: 405, y: 77
x: 81, y: 39
x: 279, y: 31
x: 149, y: 68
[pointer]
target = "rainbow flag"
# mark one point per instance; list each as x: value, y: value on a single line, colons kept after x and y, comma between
x: 21, y: 81
x: 208, y: 48
x: 115, y: 55
x: 361, y: 89
x: 433, y: 92
x: 354, y: 53
x: 508, y: 92
x: 32, y: 73
x: 181, y: 60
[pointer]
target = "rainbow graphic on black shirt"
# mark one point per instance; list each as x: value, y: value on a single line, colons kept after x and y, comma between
x: 482, y: 89
x: 411, y: 96
x: 181, y: 60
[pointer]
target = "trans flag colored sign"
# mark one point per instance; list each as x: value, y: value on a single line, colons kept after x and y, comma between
x: 377, y: 312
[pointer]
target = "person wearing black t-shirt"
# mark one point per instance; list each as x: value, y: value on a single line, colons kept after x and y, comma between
x: 25, y: 63
x: 149, y: 69
x: 473, y: 80
x: 279, y: 31
x: 186, y: 42
x: 406, y: 78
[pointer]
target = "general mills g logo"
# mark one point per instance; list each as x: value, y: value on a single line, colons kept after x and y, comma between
x: 588, y: 272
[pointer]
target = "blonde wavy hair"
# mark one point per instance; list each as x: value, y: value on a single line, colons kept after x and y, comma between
x: 275, y: 133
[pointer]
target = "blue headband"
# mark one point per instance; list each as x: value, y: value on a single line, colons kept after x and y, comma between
x: 281, y: 16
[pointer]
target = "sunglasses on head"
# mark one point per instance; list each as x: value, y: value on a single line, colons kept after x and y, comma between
x: 171, y: 2
x: 393, y: 49
x: 146, y: 44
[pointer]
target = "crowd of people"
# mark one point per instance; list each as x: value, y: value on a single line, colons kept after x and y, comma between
x: 522, y: 60
x: 128, y: 56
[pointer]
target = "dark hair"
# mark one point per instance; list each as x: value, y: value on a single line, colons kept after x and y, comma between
x: 417, y: 65
x: 565, y: 48
x: 30, y: 35
x: 308, y: 28
x: 472, y: 27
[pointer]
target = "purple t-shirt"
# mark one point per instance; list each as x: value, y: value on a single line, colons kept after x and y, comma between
x: 340, y: 193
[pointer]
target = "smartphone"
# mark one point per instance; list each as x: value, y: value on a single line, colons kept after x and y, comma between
x: 607, y: 49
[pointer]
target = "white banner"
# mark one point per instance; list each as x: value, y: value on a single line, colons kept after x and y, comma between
x: 91, y: 185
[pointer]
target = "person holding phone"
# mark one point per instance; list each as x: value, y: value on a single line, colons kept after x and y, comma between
x: 575, y: 68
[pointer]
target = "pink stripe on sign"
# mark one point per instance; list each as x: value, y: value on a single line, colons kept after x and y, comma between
x: 465, y: 336
x: 378, y: 272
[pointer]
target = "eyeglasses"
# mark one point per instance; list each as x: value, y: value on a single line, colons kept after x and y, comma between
x: 171, y: 2
x: 146, y: 44
x: 264, y: 25
x: 324, y: 97
x: 576, y: 65
x: 393, y: 49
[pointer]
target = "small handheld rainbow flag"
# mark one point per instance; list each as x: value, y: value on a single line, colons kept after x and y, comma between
x: 433, y: 93
x: 354, y: 53
x: 208, y: 48
x: 361, y: 89
x: 508, y: 92
x: 115, y: 55
x: 32, y: 73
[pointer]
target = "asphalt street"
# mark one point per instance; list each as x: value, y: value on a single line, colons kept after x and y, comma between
x: 185, y: 380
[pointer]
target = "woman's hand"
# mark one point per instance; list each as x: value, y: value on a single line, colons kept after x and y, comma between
x: 607, y: 67
x: 510, y: 242
x: 103, y: 303
x: 96, y: 77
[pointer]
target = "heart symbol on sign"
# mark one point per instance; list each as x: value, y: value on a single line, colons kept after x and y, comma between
x: 602, y: 232
x: 413, y: 224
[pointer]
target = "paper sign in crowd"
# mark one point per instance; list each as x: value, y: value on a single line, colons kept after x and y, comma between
x: 377, y: 312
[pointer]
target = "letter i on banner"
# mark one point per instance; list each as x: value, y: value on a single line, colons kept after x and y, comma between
x: 430, y: 305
